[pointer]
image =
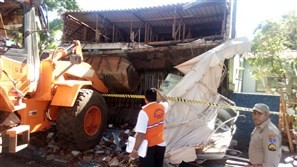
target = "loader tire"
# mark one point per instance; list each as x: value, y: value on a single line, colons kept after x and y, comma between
x: 81, y: 127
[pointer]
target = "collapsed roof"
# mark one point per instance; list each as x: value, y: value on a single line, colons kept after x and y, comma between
x: 152, y: 38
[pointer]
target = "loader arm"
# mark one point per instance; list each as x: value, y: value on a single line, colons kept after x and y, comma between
x: 82, y: 71
x: 34, y: 92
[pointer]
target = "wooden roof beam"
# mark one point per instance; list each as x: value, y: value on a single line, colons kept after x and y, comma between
x: 111, y: 23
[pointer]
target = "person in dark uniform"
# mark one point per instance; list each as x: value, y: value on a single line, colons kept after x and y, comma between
x: 265, y: 143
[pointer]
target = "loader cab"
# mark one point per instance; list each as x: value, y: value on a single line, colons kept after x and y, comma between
x: 11, y: 26
x: 20, y: 22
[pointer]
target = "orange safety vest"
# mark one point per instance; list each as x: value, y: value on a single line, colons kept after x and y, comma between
x: 155, y: 128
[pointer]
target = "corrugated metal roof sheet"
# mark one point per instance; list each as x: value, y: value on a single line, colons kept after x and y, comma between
x: 202, y: 19
x: 129, y: 9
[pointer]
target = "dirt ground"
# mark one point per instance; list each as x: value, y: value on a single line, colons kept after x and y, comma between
x: 13, y: 160
x: 7, y: 160
x: 39, y: 154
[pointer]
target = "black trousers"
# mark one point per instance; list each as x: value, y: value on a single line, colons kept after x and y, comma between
x: 154, y: 157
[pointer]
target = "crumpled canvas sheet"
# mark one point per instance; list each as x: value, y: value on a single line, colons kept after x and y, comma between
x: 189, y: 125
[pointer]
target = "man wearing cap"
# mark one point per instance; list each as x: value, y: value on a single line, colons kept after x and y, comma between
x: 265, y: 143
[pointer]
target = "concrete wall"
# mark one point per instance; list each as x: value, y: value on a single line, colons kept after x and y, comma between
x: 244, y: 128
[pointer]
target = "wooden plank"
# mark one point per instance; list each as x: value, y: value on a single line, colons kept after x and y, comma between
x: 97, y: 30
x: 113, y: 33
x: 23, y: 131
x: 287, y: 128
x: 174, y: 25
x: 184, y: 31
x: 149, y: 49
x: 85, y: 33
x: 105, y: 46
x: 3, y: 33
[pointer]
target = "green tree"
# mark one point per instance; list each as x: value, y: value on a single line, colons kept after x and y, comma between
x: 272, y: 39
x: 290, y: 22
x: 49, y: 41
x: 61, y: 5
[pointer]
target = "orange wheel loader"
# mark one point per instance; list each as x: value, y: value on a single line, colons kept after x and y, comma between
x: 35, y: 94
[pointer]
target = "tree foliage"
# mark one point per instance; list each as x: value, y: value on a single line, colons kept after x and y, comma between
x: 272, y: 40
x: 49, y: 41
x: 61, y: 5
x: 291, y: 30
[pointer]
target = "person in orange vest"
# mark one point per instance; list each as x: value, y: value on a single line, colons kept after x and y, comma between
x: 150, y: 126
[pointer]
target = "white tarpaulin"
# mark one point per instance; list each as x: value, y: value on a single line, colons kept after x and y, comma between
x: 189, y: 125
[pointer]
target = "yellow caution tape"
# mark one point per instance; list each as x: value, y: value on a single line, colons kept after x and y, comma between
x: 179, y: 99
x: 124, y: 96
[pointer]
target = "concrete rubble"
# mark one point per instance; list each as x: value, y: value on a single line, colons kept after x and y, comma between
x: 45, y: 150
x: 110, y: 152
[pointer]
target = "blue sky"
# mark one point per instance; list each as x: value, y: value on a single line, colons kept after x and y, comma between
x: 249, y: 12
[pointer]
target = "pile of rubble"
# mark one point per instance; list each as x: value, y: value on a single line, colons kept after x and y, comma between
x: 109, y: 152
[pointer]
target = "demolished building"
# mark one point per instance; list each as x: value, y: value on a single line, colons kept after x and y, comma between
x: 135, y: 49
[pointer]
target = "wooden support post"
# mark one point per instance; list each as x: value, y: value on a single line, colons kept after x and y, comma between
x: 184, y: 31
x: 97, y: 40
x: 189, y: 35
x: 113, y: 33
x: 139, y: 33
x: 151, y: 34
x: 85, y: 33
x: 146, y: 32
x: 174, y: 25
x: 132, y: 35
x: 223, y: 29
x: 2, y: 28
x: 285, y: 116
x: 116, y: 35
